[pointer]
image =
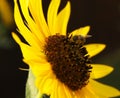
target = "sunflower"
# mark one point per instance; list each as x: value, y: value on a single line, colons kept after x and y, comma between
x: 60, y: 61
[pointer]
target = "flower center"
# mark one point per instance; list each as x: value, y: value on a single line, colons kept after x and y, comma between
x: 69, y: 60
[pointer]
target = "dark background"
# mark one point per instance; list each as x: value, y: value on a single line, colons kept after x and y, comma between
x: 104, y: 18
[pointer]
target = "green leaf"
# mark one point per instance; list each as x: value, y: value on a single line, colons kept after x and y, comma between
x: 31, y: 90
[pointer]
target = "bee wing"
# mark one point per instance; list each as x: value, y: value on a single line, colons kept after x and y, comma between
x: 87, y: 36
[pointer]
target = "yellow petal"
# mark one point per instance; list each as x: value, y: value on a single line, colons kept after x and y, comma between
x: 36, y: 10
x: 37, y: 66
x: 81, y: 31
x: 99, y: 70
x: 28, y: 52
x: 31, y: 24
x: 79, y: 94
x: 24, y: 31
x: 16, y: 38
x: 88, y: 92
x: 38, y: 58
x: 62, y: 20
x: 68, y: 92
x: 46, y: 83
x: 52, y: 15
x: 47, y: 87
x: 54, y: 93
x: 94, y: 49
x: 61, y: 91
x: 104, y: 90
x: 39, y: 69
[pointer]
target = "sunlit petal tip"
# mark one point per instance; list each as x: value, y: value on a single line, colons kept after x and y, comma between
x: 103, y: 46
x: 85, y: 29
x: 81, y: 31
x: 94, y: 49
x: 100, y: 70
x: 16, y: 38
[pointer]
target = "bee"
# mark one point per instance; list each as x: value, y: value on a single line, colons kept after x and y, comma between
x: 79, y: 39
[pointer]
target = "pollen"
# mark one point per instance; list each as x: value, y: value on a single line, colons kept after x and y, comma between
x: 69, y: 60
